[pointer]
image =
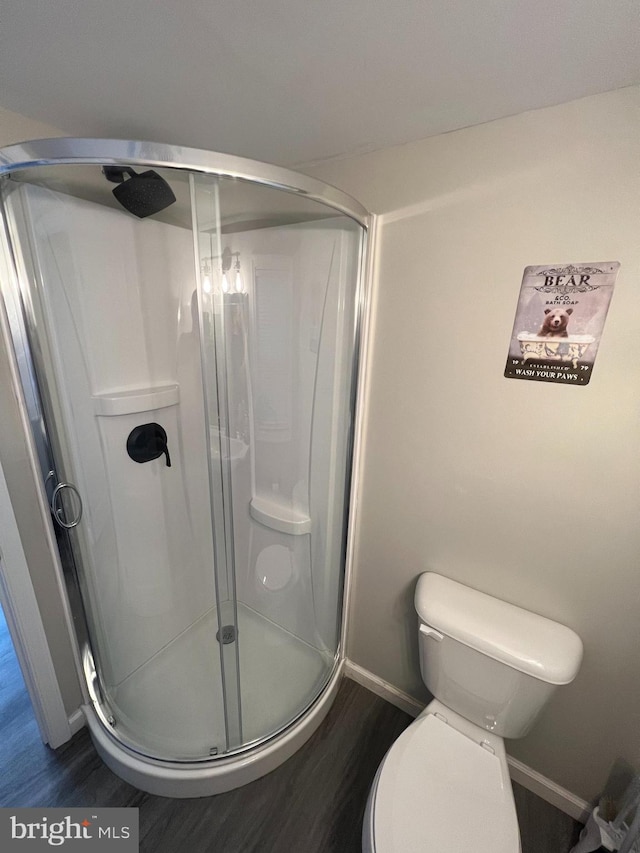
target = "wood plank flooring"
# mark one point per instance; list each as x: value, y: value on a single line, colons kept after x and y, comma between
x: 314, y: 803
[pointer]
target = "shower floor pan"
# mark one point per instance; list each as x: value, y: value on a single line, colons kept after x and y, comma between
x: 172, y: 706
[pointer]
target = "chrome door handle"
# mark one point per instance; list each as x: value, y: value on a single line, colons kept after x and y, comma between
x: 51, y: 477
x: 58, y: 510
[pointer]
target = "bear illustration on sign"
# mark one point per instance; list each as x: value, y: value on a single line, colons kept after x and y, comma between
x: 555, y: 323
x: 559, y: 319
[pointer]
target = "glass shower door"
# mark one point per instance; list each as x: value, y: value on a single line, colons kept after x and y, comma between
x: 277, y: 278
x: 213, y: 322
x: 107, y: 307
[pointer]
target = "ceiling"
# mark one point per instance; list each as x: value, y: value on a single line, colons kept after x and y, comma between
x: 294, y: 81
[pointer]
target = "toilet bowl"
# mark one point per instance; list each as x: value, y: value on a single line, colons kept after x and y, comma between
x: 444, y: 785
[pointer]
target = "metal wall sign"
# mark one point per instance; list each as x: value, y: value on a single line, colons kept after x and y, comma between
x: 559, y: 321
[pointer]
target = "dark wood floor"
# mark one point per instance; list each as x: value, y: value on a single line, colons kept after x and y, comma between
x: 314, y: 803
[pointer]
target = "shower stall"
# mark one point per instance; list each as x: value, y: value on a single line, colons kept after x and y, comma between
x: 185, y: 328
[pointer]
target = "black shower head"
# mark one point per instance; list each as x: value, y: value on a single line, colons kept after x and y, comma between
x: 142, y: 194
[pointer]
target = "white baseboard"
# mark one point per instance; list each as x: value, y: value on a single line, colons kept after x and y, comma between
x: 530, y: 779
x: 382, y: 688
x: 547, y: 790
x: 77, y: 721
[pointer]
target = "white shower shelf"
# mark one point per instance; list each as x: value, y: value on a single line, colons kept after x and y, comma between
x: 136, y: 400
x: 277, y: 516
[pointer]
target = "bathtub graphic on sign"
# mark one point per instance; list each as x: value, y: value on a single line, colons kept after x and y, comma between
x: 559, y: 321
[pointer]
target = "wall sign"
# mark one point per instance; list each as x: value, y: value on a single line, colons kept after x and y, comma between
x: 559, y: 320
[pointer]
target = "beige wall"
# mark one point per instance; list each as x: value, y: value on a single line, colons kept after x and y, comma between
x: 526, y: 490
x: 18, y: 128
x: 15, y: 464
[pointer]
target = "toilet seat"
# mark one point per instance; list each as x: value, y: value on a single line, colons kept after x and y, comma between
x: 438, y: 791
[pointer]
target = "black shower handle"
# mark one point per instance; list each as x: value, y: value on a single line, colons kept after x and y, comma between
x: 147, y: 442
x: 163, y: 447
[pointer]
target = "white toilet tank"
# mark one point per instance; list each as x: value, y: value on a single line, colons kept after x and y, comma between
x: 495, y: 664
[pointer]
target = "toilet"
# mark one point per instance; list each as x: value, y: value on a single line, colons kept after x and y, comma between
x: 491, y: 667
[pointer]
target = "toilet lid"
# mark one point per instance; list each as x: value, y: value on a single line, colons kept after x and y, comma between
x: 440, y: 792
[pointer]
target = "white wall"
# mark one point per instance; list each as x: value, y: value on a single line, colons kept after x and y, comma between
x: 528, y: 491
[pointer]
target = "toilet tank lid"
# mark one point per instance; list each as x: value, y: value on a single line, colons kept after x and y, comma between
x: 518, y: 638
